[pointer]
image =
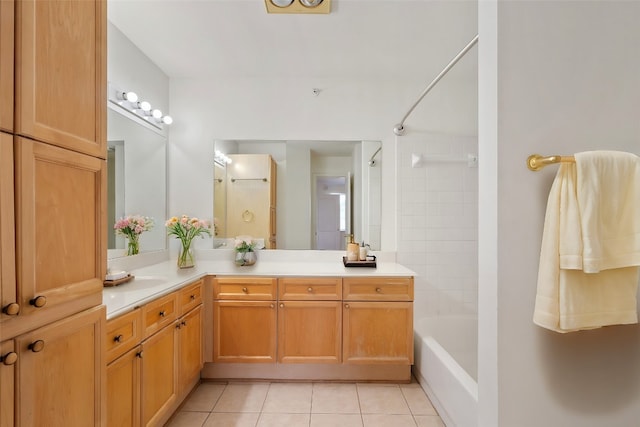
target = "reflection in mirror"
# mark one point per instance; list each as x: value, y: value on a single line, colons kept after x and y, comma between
x: 325, y: 189
x: 136, y: 180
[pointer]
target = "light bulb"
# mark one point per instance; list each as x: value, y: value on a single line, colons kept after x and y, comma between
x: 144, y: 106
x: 130, y: 96
x: 157, y: 114
x: 282, y: 3
x: 167, y: 120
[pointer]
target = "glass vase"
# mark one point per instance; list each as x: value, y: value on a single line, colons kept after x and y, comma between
x: 133, y: 245
x: 185, y: 257
x: 245, y: 258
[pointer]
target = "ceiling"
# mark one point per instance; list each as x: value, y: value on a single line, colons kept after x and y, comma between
x: 358, y: 39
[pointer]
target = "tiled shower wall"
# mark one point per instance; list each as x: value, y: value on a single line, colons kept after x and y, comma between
x: 437, y: 222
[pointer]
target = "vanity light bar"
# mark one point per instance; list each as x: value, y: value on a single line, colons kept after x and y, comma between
x: 298, y: 6
x: 130, y: 102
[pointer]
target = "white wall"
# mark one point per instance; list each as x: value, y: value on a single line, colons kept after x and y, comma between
x: 568, y: 76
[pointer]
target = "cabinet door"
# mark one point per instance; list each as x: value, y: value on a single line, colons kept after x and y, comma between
x: 8, y: 297
x: 159, y: 380
x: 62, y: 372
x: 8, y: 358
x: 61, y: 230
x: 378, y: 332
x: 191, y: 356
x: 309, y: 331
x: 60, y: 75
x: 6, y: 64
x: 244, y: 331
x: 123, y: 390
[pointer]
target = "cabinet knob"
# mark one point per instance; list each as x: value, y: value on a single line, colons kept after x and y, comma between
x: 309, y: 289
x: 161, y: 314
x: 178, y: 325
x: 281, y: 305
x: 192, y: 297
x: 118, y: 338
x: 9, y: 358
x: 183, y: 323
x: 245, y: 290
x: 346, y: 306
x: 36, y: 346
x: 11, y: 309
x: 378, y: 290
x: 139, y: 354
x: 272, y: 305
x: 38, y: 301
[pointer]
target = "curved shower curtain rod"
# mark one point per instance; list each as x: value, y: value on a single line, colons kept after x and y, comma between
x: 399, y: 128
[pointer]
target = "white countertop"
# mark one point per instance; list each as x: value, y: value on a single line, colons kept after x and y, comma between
x: 155, y: 280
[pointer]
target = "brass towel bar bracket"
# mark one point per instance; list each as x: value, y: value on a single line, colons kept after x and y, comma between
x: 535, y: 162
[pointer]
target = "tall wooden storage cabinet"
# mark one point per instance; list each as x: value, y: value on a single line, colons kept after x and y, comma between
x: 52, y: 211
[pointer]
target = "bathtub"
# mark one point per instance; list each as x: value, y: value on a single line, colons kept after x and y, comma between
x: 451, y: 385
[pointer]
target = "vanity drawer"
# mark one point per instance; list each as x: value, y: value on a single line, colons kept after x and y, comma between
x: 245, y: 288
x: 123, y: 333
x: 310, y: 288
x: 378, y: 288
x: 190, y: 297
x: 158, y: 313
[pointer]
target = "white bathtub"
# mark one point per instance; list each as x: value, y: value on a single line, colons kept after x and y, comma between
x: 451, y: 388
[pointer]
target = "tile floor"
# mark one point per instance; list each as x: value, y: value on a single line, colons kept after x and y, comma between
x: 239, y: 404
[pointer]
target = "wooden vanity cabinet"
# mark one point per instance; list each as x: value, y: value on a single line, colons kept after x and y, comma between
x: 244, y: 319
x: 378, y: 320
x: 155, y: 354
x: 310, y: 320
x: 8, y: 359
x: 61, y: 371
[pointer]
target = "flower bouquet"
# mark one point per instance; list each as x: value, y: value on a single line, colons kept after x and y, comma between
x: 185, y: 229
x: 131, y: 227
x: 245, y: 254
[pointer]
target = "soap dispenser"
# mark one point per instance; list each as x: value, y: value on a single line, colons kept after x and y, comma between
x: 363, y: 252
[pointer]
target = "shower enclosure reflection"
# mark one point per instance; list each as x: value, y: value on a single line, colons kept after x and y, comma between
x: 311, y: 211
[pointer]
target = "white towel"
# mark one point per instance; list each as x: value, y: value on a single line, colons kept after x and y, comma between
x: 608, y: 194
x: 570, y: 299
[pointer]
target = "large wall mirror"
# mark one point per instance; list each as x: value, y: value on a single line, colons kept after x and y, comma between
x: 319, y: 192
x: 136, y: 165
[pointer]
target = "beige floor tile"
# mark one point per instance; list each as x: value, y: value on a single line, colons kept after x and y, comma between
x: 204, y: 397
x: 417, y: 400
x: 335, y: 420
x: 429, y: 421
x: 386, y: 420
x: 188, y: 419
x: 282, y: 420
x: 382, y: 399
x: 242, y: 398
x: 335, y: 399
x: 292, y: 398
x: 246, y: 419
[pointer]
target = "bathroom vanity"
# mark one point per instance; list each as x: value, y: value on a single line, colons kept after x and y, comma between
x: 168, y: 328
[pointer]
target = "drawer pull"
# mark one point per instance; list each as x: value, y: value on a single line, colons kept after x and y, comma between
x: 192, y: 297
x: 272, y: 305
x: 378, y: 290
x: 9, y: 358
x: 281, y: 305
x: 36, y: 346
x: 11, y: 309
x: 38, y: 301
x: 309, y: 289
x: 139, y: 354
x: 346, y: 306
x: 161, y: 314
x: 118, y: 338
x: 245, y: 290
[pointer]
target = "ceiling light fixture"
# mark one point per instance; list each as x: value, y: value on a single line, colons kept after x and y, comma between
x: 298, y: 6
x: 129, y: 101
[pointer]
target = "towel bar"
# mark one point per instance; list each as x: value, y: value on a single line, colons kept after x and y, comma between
x: 535, y: 162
